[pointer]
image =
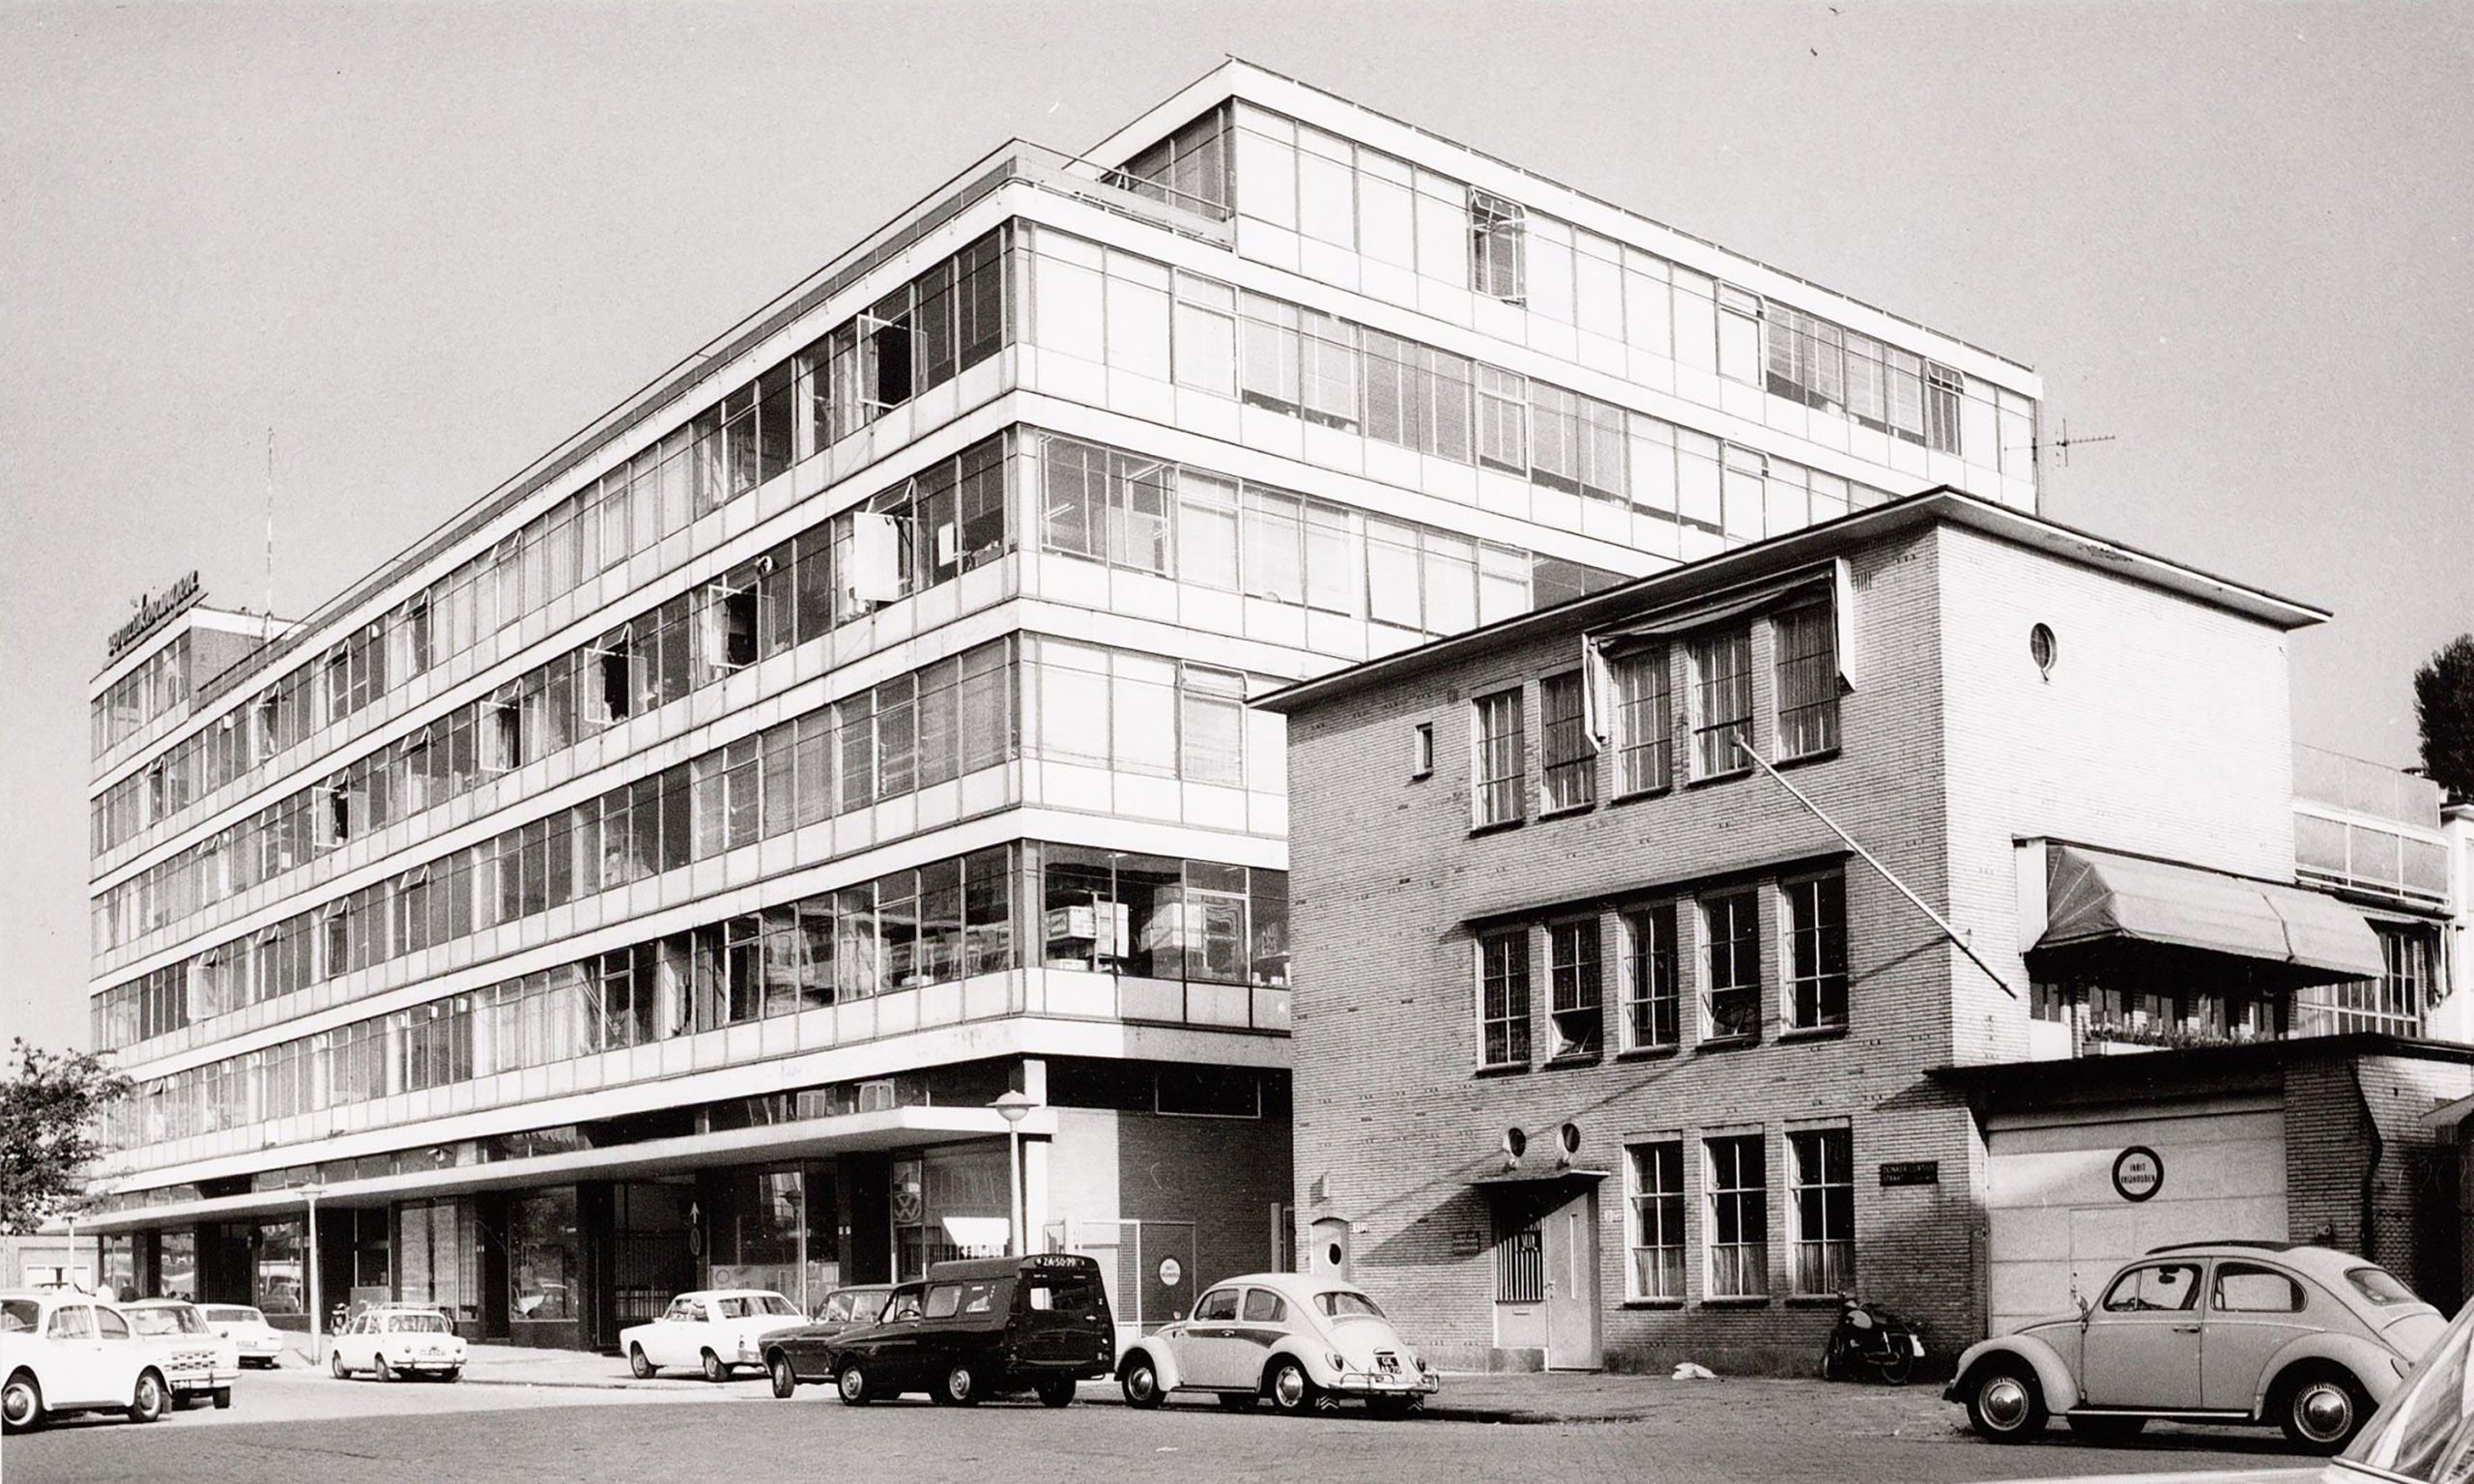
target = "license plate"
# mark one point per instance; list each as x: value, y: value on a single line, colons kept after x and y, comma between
x: 1387, y: 1362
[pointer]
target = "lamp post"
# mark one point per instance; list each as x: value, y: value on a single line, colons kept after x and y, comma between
x: 309, y: 1272
x: 1013, y: 1107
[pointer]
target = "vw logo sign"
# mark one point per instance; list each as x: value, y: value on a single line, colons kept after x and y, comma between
x: 1172, y: 1272
x: 2138, y: 1173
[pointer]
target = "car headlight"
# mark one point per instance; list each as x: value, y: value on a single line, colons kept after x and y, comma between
x: 1337, y: 1361
x: 2401, y: 1364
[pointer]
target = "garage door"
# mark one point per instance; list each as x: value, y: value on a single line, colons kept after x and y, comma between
x: 2057, y: 1219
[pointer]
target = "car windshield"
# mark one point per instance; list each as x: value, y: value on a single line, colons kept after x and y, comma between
x: 2379, y: 1286
x: 167, y: 1320
x: 417, y: 1323
x: 1345, y: 1304
x: 2427, y: 1433
x: 19, y: 1316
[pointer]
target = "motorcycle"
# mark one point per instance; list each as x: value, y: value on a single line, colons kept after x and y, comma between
x: 1869, y: 1337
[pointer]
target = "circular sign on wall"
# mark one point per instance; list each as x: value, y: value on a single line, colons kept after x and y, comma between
x: 1169, y: 1273
x: 2138, y: 1173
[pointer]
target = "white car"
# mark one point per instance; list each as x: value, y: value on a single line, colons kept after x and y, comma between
x: 398, y: 1339
x: 714, y: 1329
x: 1298, y: 1341
x: 62, y: 1352
x: 199, y: 1363
x: 258, y: 1342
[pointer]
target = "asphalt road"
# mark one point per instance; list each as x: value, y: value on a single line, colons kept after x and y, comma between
x: 299, y: 1426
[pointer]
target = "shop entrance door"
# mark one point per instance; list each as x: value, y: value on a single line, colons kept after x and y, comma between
x: 652, y: 1248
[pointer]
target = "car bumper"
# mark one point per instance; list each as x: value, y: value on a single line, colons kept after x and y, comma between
x: 429, y: 1363
x: 1378, y: 1384
x: 264, y: 1349
x: 199, y: 1381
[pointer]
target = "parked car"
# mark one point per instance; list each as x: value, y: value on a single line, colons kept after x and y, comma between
x: 1299, y: 1340
x: 199, y: 1364
x: 984, y: 1327
x: 796, y: 1354
x: 258, y: 1342
x: 714, y: 1329
x: 389, y: 1340
x: 62, y: 1353
x: 2305, y: 1338
x: 2424, y: 1435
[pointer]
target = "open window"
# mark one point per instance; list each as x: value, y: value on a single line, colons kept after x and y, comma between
x: 1498, y: 235
x: 888, y: 339
x: 614, y: 698
x: 730, y: 625
x: 335, y: 800
x: 503, y: 733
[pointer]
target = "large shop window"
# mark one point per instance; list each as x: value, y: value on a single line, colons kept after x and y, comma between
x: 439, y: 1251
x: 546, y: 1251
x: 1155, y: 917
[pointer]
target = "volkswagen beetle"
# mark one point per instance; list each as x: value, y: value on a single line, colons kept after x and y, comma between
x: 2304, y: 1338
x: 1301, y: 1341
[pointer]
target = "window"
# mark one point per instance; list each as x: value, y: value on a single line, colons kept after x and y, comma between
x: 1520, y: 1261
x: 1732, y: 1002
x: 1500, y: 746
x: 1721, y: 703
x: 1572, y: 981
x: 1212, y: 720
x: 1502, y: 420
x: 1739, y: 336
x: 1502, y: 998
x: 1943, y: 388
x: 1807, y: 682
x: 1821, y: 1169
x: 1738, y: 1217
x: 2244, y: 1288
x: 1568, y: 757
x: 1497, y: 234
x: 1650, y: 977
x: 1421, y: 750
x: 1658, y: 1220
x: 1265, y: 1307
x: 1816, y: 953
x: 1216, y: 1307
x: 2158, y: 1288
x: 1644, y: 723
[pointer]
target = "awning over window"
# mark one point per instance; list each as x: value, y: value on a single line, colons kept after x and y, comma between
x: 2095, y: 895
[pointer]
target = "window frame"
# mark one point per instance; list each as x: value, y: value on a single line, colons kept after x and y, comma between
x: 1577, y: 988
x: 1566, y: 754
x: 1726, y: 1192
x: 1827, y: 982
x: 1497, y: 799
x: 1511, y: 972
x: 1672, y: 1230
x: 1745, y: 979
x: 1833, y: 1188
x: 1638, y: 967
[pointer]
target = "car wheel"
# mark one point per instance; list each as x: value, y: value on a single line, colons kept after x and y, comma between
x: 335, y: 1366
x: 2107, y: 1430
x: 1237, y: 1400
x: 2322, y: 1408
x: 1289, y: 1387
x: 637, y: 1363
x: 2004, y: 1403
x: 21, y: 1404
x: 785, y: 1379
x: 1141, y: 1384
x: 224, y: 1398
x: 851, y: 1384
x: 147, y: 1403
x: 1056, y: 1391
x: 381, y: 1368
x: 959, y: 1385
x: 714, y: 1370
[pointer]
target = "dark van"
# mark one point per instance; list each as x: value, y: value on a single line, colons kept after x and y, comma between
x: 986, y: 1327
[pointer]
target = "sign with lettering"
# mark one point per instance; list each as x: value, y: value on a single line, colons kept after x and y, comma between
x: 154, y: 611
x: 1912, y: 1172
x: 2138, y: 1173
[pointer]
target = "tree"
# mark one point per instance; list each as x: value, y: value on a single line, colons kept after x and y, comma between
x: 50, y: 1107
x: 2444, y: 706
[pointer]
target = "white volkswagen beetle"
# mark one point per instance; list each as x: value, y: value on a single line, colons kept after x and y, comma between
x: 62, y: 1352
x: 1301, y: 1341
x: 717, y: 1331
x: 2309, y: 1339
x: 398, y: 1339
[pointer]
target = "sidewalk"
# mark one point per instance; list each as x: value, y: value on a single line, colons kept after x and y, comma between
x: 1855, y: 1410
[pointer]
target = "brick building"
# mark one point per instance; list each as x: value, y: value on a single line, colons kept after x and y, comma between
x: 1610, y: 1049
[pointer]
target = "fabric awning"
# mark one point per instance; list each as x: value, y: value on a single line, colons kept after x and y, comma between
x: 2095, y: 895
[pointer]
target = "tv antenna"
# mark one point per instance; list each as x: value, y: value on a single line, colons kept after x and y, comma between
x: 2061, y: 444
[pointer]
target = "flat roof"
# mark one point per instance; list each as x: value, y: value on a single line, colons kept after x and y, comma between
x: 1778, y: 555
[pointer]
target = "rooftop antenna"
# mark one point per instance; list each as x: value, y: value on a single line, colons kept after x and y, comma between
x: 2060, y: 445
x: 266, y: 618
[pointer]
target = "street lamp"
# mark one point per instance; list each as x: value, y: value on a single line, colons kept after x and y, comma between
x: 1013, y: 1107
x: 310, y: 1191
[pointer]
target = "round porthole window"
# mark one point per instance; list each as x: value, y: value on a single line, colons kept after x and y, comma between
x: 1569, y: 1137
x: 1334, y: 1255
x: 1515, y: 1143
x: 2041, y: 649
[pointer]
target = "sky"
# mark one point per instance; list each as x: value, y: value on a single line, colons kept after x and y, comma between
x: 424, y: 241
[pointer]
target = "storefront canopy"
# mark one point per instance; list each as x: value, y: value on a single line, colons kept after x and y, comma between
x: 2094, y: 895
